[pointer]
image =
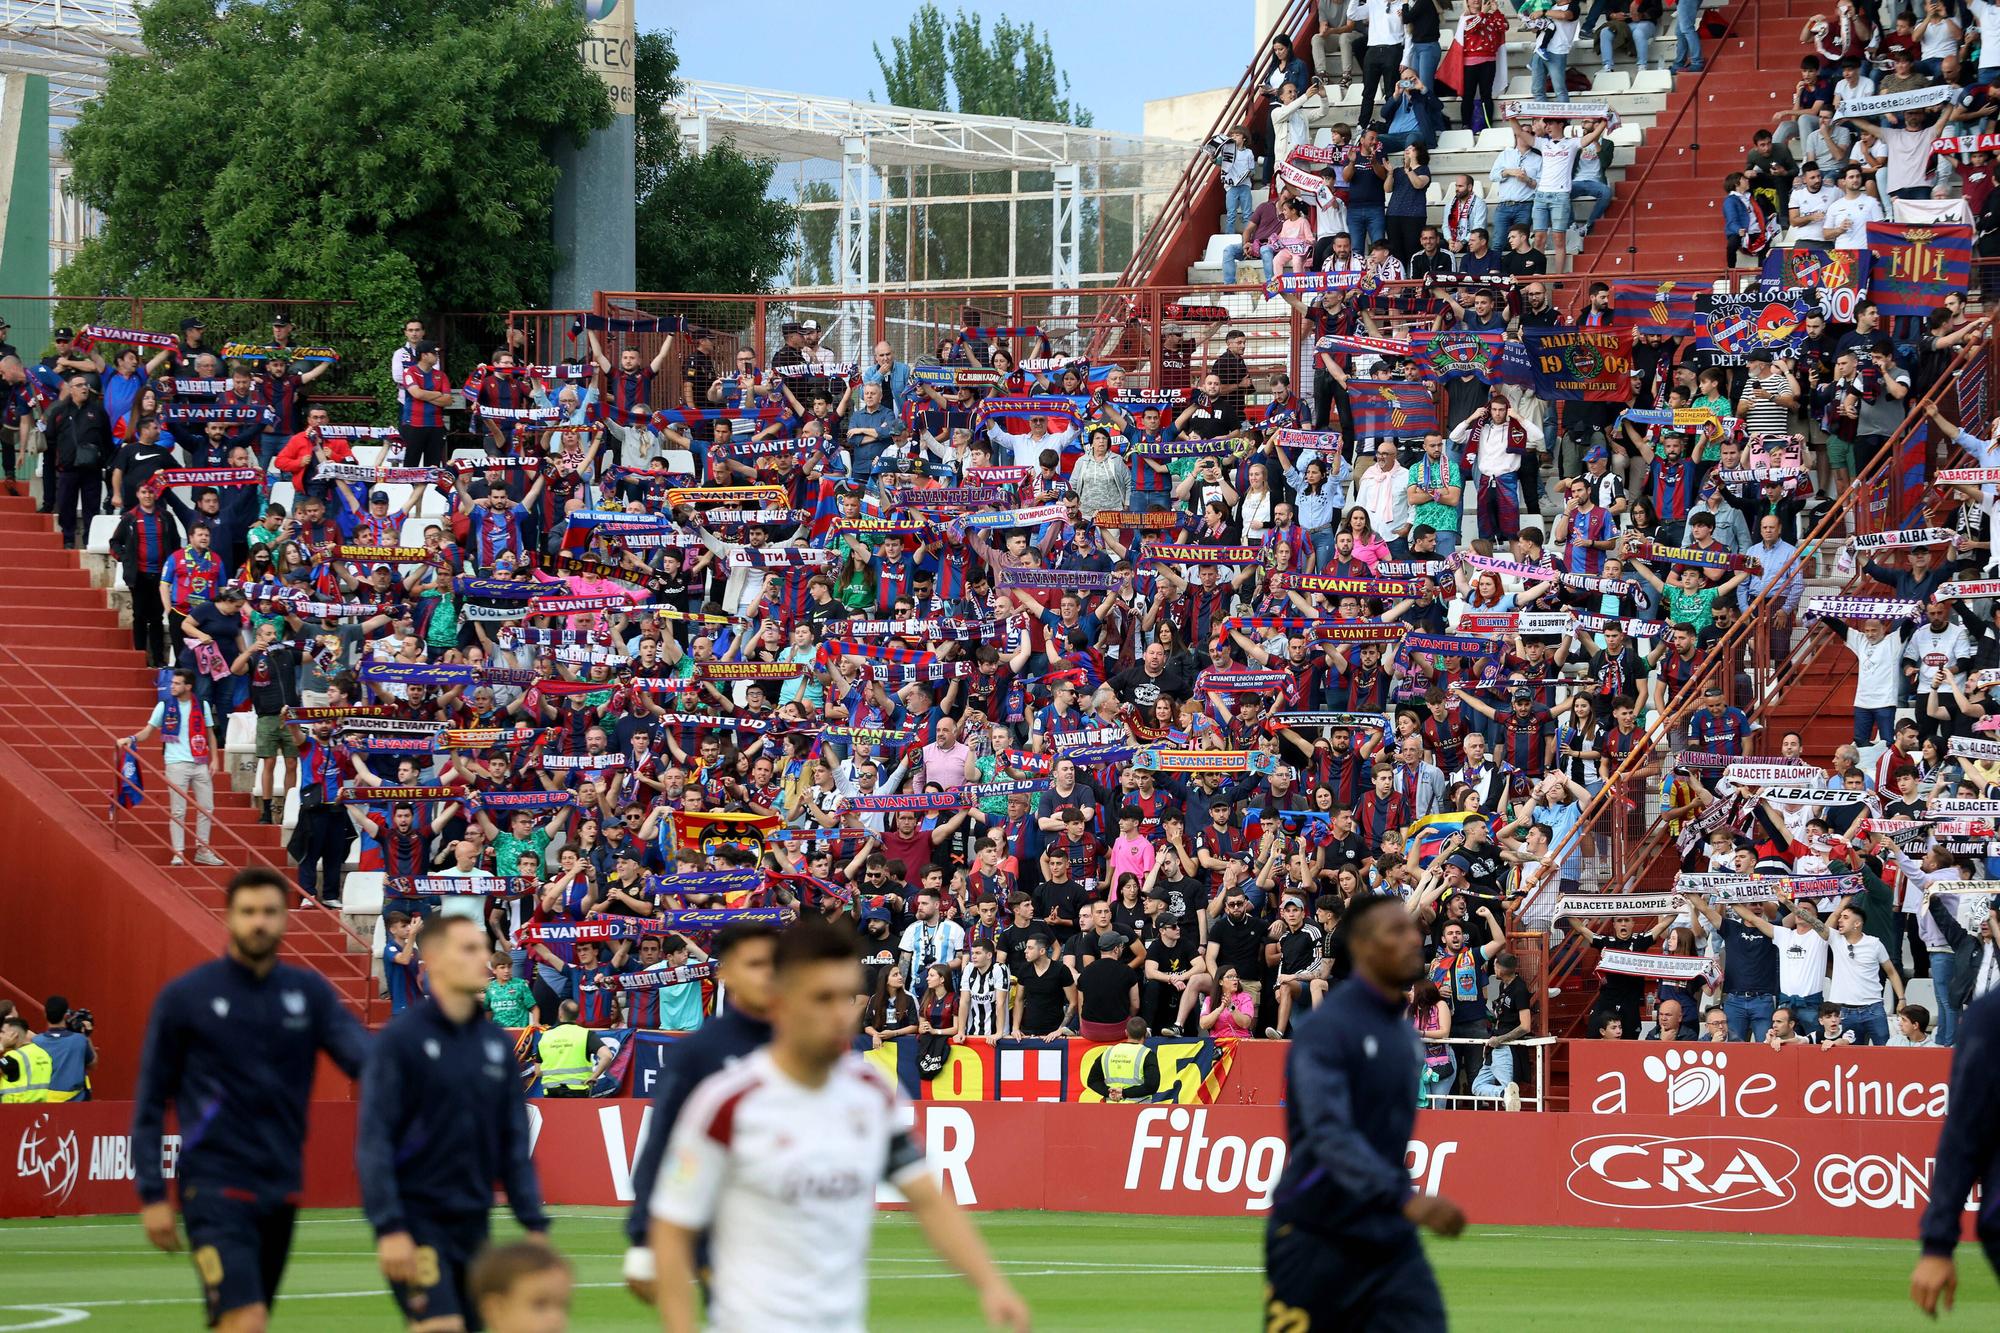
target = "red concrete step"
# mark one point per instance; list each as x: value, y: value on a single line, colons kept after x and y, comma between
x: 114, y: 647
x: 54, y: 616
x: 30, y: 595
x: 48, y: 576
x: 36, y: 556
x: 26, y: 639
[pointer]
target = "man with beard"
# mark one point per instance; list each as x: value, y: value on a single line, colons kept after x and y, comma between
x: 234, y: 1045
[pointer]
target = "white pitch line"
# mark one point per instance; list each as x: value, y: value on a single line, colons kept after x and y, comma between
x: 59, y: 1316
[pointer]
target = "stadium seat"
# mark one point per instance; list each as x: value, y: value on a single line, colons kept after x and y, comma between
x: 1652, y: 81
x: 101, y: 528
x: 1614, y: 81
x: 361, y: 892
x: 1456, y: 141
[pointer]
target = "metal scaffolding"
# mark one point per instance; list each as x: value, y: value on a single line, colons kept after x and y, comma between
x: 950, y: 179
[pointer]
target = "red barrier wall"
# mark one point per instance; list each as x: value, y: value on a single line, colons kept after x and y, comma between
x: 1824, y: 1176
x: 1738, y: 1081
x: 88, y: 919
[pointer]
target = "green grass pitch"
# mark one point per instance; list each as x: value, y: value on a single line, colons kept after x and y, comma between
x: 1079, y: 1271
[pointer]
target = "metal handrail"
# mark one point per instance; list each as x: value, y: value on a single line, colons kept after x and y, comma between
x: 110, y: 738
x: 1720, y: 659
x: 1173, y: 214
x: 1663, y: 135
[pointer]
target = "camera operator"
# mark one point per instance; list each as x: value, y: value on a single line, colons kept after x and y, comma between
x: 67, y: 1042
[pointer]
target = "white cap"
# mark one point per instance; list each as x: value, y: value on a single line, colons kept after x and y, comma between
x: 810, y: 324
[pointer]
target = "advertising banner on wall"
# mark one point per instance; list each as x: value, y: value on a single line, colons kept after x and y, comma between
x: 1826, y: 1175
x: 1738, y: 1081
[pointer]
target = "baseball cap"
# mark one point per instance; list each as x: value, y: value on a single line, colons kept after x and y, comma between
x: 628, y: 854
x: 1169, y: 922
x: 192, y: 322
x: 426, y: 347
x: 789, y: 328
x: 811, y: 324
x: 1159, y: 895
x: 1597, y: 453
x: 1759, y: 354
x: 281, y: 320
x: 64, y: 335
x: 1522, y: 692
x: 1458, y: 863
x: 378, y: 497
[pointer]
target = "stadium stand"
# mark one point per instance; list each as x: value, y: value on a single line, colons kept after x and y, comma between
x: 717, y: 605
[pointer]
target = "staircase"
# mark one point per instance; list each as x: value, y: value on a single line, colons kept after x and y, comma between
x: 1666, y: 213
x: 70, y: 684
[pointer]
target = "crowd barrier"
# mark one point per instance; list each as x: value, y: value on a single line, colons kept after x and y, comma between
x: 1753, y: 1157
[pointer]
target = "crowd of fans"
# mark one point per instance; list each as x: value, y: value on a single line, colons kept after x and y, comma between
x: 1212, y: 657
x: 1893, y: 102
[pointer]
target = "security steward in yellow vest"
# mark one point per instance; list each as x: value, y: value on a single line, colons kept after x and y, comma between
x: 564, y: 1052
x: 25, y: 1068
x: 1129, y: 1071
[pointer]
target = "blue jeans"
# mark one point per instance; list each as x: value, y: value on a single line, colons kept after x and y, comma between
x: 1942, y: 963
x: 1869, y: 1023
x: 1599, y: 194
x: 1642, y: 43
x: 1424, y: 57
x: 1749, y: 1015
x: 1365, y: 224
x: 1871, y: 722
x: 1513, y: 213
x: 1548, y: 73
x: 1267, y: 254
x: 1498, y: 1072
x: 1447, y: 541
x: 1149, y: 502
x: 1805, y: 1009
x: 1323, y: 546
x: 1236, y: 207
x: 1687, y: 29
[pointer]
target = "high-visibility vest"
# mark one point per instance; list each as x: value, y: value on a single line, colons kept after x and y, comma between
x: 565, y: 1057
x: 1122, y: 1064
x: 31, y: 1084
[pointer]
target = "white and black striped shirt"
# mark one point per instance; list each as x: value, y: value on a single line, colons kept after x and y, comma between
x: 981, y: 998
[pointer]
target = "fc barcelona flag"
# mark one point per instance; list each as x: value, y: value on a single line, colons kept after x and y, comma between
x: 1393, y: 408
x: 1916, y: 265
x: 1656, y: 307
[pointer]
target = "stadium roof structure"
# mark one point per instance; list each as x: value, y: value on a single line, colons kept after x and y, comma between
x: 868, y: 139
x: 70, y: 42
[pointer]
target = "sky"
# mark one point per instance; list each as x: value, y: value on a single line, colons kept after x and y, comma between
x: 1117, y: 53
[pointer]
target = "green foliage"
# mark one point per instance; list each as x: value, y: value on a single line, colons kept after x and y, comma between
x: 388, y: 153
x: 705, y: 222
x: 959, y: 65
x: 1011, y: 73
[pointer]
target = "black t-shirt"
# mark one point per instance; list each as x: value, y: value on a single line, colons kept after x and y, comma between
x: 1298, y: 948
x: 226, y: 630
x: 1043, y: 997
x: 273, y: 676
x: 1066, y: 896
x: 1134, y: 686
x: 1010, y: 939
x: 1749, y: 959
x: 1513, y: 1002
x: 1106, y: 987
x: 877, y: 957
x: 1174, y: 959
x: 1521, y: 265
x: 1184, y: 897
x: 1241, y: 945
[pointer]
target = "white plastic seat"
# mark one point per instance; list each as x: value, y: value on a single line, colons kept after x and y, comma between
x: 1652, y: 81
x: 1616, y: 81
x: 101, y: 528
x: 241, y: 735
x: 361, y: 891
x: 1455, y: 141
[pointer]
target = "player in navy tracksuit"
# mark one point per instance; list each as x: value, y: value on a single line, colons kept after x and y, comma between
x: 743, y: 969
x: 1968, y: 1152
x: 1341, y: 1249
x: 233, y: 1045
x: 443, y: 1118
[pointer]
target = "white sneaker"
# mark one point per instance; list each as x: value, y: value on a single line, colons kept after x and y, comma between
x: 207, y: 857
x: 1274, y: 1034
x: 178, y: 860
x: 1510, y: 1097
x: 1576, y: 240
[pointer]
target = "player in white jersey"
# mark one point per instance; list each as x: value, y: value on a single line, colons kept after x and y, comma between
x: 777, y: 1157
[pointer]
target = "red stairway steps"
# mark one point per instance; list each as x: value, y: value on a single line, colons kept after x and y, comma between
x: 72, y: 682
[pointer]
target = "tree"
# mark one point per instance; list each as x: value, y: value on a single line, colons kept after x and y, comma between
x: 372, y: 150
x: 959, y: 66
x: 705, y: 220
